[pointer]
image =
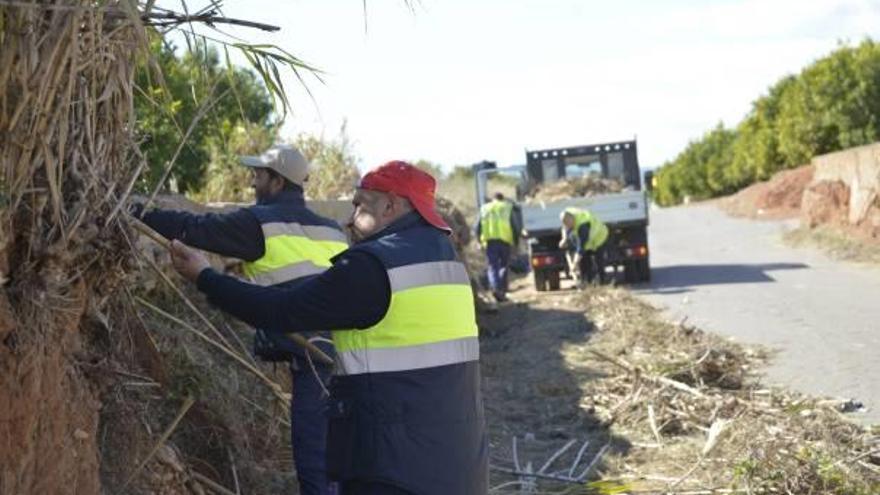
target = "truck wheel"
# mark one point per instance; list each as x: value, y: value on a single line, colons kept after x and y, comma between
x: 553, y: 280
x: 643, y: 270
x: 630, y: 271
x: 540, y: 282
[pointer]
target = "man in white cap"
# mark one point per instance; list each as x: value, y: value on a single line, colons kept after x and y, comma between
x: 283, y: 244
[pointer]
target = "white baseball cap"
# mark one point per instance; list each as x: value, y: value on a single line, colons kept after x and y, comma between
x: 284, y: 159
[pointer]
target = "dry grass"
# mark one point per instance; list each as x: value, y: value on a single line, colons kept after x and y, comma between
x: 836, y: 242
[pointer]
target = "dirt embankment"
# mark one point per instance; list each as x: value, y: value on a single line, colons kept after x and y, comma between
x: 778, y: 198
x: 836, y: 192
x: 845, y: 192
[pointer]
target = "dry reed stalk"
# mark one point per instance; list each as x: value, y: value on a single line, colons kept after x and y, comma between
x: 213, y: 485
x: 276, y: 389
x: 184, y: 408
x: 162, y: 241
x: 66, y: 77
x: 68, y: 161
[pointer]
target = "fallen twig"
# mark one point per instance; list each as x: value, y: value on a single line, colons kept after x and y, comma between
x: 657, y: 379
x: 652, y: 421
x: 213, y: 485
x: 525, y: 474
x: 577, y: 460
x: 593, y: 463
x: 556, y: 456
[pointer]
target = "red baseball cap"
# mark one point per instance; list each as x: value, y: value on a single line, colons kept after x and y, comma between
x: 405, y: 180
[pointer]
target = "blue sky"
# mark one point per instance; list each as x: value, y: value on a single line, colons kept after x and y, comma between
x: 456, y: 81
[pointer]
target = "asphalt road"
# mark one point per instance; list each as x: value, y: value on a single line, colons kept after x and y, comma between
x: 735, y: 277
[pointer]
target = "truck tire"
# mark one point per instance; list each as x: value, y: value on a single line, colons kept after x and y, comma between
x: 540, y: 280
x: 630, y: 271
x: 553, y: 280
x: 643, y: 270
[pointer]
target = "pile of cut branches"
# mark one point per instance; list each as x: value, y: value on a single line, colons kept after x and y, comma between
x: 698, y: 419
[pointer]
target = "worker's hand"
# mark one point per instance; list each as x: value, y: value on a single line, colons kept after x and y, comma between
x: 136, y: 210
x: 187, y: 261
x: 136, y: 205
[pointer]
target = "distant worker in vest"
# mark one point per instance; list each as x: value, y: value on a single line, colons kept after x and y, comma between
x: 406, y: 412
x: 498, y: 230
x: 585, y: 236
x: 283, y: 244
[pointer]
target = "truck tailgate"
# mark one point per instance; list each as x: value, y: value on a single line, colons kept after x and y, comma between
x: 623, y: 207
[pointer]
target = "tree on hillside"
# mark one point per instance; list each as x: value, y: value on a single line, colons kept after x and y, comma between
x: 698, y: 171
x: 756, y: 150
x: 171, y: 95
x: 832, y: 104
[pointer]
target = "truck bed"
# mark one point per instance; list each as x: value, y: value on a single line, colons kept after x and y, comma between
x: 617, y: 208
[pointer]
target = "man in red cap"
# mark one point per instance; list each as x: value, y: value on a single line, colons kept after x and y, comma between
x: 406, y: 413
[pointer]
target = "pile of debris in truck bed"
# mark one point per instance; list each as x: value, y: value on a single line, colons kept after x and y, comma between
x: 573, y: 187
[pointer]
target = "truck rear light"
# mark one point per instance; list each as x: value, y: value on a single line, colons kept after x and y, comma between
x: 636, y: 252
x: 543, y: 260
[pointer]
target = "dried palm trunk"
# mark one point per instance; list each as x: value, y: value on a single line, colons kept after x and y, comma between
x: 66, y: 72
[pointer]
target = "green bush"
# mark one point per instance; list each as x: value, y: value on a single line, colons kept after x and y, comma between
x: 170, y: 93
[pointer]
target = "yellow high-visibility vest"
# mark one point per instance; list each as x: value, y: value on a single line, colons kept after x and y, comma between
x: 293, y: 251
x: 430, y: 322
x: 598, y: 229
x: 495, y: 222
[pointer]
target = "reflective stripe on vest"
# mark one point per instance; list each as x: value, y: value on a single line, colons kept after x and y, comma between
x: 495, y: 222
x: 293, y: 251
x: 598, y: 230
x: 430, y: 322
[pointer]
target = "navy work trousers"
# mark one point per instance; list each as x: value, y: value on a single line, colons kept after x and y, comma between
x: 593, y: 265
x: 498, y: 257
x: 308, y: 419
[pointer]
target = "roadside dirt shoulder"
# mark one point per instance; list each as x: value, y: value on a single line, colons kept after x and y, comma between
x: 596, y: 384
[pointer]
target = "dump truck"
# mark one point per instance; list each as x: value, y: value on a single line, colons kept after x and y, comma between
x: 624, y: 211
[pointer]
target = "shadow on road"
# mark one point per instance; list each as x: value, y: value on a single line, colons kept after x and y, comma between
x: 533, y: 394
x: 680, y: 278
